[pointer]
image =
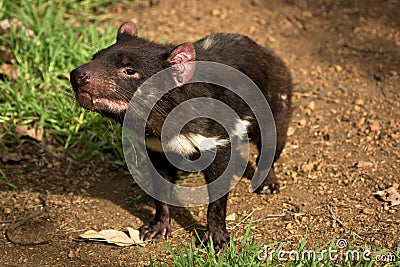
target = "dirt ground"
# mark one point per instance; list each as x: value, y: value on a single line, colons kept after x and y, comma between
x: 343, y: 144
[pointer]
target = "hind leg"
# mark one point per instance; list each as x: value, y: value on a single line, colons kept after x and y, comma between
x: 270, y: 185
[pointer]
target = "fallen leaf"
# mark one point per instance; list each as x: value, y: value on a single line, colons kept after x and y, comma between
x: 135, y: 236
x: 12, y: 72
x: 389, y: 195
x: 35, y: 133
x: 115, y: 237
x: 91, y: 234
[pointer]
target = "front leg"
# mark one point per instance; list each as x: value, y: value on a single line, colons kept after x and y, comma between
x: 270, y: 185
x: 216, y: 212
x: 160, y: 226
x: 216, y: 226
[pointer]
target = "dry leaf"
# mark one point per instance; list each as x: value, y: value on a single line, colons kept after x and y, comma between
x: 91, y: 234
x: 115, y: 237
x: 135, y: 236
x: 10, y: 71
x: 389, y: 195
x: 36, y: 132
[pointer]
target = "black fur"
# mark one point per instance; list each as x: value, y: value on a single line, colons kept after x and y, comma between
x: 115, y: 73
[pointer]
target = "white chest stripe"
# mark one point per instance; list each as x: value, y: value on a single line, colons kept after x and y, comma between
x: 187, y: 145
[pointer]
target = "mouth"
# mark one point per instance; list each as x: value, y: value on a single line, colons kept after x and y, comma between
x: 99, y: 104
x: 85, y: 100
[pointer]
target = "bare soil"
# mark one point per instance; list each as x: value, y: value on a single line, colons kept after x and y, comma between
x: 343, y: 144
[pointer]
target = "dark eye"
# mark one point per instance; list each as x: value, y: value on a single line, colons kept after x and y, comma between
x: 129, y: 71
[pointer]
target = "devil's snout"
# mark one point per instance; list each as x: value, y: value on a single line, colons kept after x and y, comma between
x: 79, y: 77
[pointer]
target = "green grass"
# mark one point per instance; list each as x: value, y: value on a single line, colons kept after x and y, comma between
x: 48, y: 39
x: 4, y: 180
x: 247, y: 253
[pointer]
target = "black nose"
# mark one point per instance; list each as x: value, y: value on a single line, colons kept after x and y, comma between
x: 79, y: 77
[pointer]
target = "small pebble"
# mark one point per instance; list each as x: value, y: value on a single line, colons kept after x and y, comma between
x: 368, y: 211
x: 359, y: 102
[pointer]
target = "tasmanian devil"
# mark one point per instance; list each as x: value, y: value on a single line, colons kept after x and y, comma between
x: 114, y: 75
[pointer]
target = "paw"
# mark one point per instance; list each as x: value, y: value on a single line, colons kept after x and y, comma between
x: 220, y: 239
x: 156, y: 230
x: 269, y: 186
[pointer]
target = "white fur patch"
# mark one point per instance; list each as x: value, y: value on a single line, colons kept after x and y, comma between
x: 208, y: 42
x: 114, y: 105
x: 181, y: 145
x: 283, y: 96
x: 186, y: 145
x: 241, y: 128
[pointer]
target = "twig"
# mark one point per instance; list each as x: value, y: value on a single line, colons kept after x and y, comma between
x: 21, y: 221
x: 245, y: 218
x: 333, y: 216
x: 7, y: 221
x: 357, y: 235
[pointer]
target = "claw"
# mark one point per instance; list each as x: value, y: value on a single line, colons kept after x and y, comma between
x: 155, y: 230
x: 220, y: 239
x: 270, y: 185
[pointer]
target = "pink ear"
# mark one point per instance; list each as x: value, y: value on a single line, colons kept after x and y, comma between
x: 182, y: 54
x: 127, y: 28
x: 182, y: 60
